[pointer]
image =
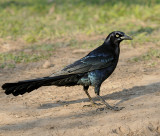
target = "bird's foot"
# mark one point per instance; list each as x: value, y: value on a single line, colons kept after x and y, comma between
x: 92, y: 105
x: 114, y: 108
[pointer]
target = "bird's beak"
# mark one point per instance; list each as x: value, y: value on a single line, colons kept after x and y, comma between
x: 126, y: 37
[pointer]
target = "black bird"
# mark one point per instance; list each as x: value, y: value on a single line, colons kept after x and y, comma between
x: 90, y: 70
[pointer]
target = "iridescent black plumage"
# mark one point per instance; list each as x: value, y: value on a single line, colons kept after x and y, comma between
x: 91, y: 70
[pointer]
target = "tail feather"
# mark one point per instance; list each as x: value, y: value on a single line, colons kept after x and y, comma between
x: 21, y: 87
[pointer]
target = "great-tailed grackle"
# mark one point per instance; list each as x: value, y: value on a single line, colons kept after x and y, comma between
x: 90, y: 70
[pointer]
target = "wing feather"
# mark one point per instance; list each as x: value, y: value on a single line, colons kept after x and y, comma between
x: 86, y: 64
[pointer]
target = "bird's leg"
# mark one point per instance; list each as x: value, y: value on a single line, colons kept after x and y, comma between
x: 85, y: 88
x: 97, y: 90
x: 109, y: 106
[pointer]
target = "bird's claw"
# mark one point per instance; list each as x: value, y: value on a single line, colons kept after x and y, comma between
x: 114, y: 108
x: 92, y: 105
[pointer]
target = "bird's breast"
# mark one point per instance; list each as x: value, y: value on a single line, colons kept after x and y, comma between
x: 96, y: 77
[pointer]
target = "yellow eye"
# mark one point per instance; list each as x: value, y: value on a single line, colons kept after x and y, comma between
x: 117, y: 35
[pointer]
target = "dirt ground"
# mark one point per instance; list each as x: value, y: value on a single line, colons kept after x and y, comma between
x: 59, y: 111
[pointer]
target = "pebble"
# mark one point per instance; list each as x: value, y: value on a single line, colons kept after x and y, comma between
x: 47, y: 64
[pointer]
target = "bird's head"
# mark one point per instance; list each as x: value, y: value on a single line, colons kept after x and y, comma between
x: 116, y: 37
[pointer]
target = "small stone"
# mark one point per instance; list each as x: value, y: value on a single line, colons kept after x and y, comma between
x: 52, y: 127
x: 16, y: 116
x: 158, y: 129
x: 47, y: 64
x: 124, y: 129
x: 150, y: 127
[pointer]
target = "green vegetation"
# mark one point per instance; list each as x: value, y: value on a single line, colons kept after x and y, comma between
x: 36, y: 21
x: 31, y: 54
x: 49, y: 19
x: 152, y: 54
x: 37, y: 52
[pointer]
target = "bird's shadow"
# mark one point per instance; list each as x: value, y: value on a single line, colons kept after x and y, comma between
x: 124, y: 95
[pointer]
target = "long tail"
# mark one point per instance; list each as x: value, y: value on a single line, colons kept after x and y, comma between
x: 21, y: 87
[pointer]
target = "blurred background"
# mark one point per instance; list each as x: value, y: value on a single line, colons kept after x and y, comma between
x: 39, y: 37
x: 31, y: 30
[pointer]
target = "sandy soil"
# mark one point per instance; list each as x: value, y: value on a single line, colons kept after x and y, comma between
x: 59, y: 111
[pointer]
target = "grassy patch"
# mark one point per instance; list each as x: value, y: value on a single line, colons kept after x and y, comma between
x: 34, y: 53
x: 150, y: 55
x: 31, y: 54
x: 11, y: 59
x: 37, y: 20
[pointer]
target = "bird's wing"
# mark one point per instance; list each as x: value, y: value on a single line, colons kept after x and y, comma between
x: 86, y: 64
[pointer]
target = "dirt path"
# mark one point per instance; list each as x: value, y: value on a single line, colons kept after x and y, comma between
x: 54, y: 111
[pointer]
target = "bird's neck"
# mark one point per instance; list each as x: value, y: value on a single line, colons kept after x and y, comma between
x: 117, y: 52
x: 112, y: 47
